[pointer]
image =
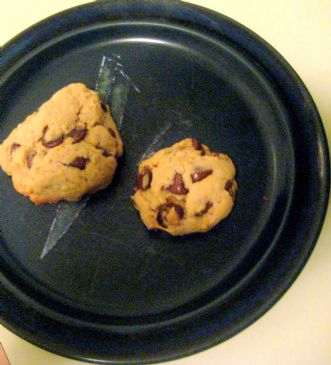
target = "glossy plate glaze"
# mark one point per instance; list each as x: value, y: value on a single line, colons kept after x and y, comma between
x: 110, y: 291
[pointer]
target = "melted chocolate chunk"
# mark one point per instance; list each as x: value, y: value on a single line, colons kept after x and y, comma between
x: 104, y: 107
x: 178, y: 186
x: 200, y: 175
x: 29, y: 159
x: 14, y: 147
x: 106, y: 153
x: 144, y: 179
x: 229, y: 186
x: 78, y: 134
x: 112, y: 132
x: 164, y: 209
x: 53, y: 143
x: 79, y: 163
x: 204, y: 210
x: 198, y: 146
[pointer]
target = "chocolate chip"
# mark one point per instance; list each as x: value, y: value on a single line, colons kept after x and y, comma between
x: 14, y: 147
x: 78, y: 134
x: 111, y: 131
x: 164, y: 209
x: 106, y: 153
x: 144, y: 179
x: 179, y: 210
x: 230, y: 188
x: 178, y: 186
x: 161, y: 216
x: 79, y: 163
x: 198, y: 146
x: 200, y: 175
x: 228, y: 185
x: 53, y: 143
x: 29, y: 159
x: 205, y: 209
x: 104, y: 107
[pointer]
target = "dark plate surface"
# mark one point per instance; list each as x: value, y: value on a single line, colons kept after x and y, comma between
x: 110, y: 291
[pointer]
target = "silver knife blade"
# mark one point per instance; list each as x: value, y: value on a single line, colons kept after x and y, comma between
x: 112, y: 85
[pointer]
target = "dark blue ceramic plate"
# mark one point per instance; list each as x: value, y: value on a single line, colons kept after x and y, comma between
x: 110, y: 291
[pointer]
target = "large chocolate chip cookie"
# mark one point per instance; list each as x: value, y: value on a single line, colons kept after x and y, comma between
x: 67, y: 148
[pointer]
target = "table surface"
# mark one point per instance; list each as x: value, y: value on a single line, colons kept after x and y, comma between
x: 297, y: 330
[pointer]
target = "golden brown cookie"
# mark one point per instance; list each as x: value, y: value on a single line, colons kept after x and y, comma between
x: 67, y: 148
x: 185, y: 188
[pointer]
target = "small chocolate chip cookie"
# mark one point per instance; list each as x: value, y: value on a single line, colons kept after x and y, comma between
x: 185, y: 188
x: 65, y: 149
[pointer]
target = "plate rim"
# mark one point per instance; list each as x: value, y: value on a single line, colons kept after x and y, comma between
x: 13, y: 50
